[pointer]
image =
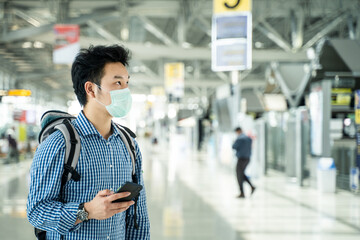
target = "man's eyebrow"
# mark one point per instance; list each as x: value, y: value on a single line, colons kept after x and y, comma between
x: 122, y: 77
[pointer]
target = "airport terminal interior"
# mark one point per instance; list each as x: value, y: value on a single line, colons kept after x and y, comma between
x: 286, y: 71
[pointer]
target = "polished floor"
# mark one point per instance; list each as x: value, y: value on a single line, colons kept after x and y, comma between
x: 191, y: 196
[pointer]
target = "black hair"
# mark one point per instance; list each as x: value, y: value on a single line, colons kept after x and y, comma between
x: 238, y: 129
x: 89, y: 66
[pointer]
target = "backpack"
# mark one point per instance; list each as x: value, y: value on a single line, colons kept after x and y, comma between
x: 54, y: 120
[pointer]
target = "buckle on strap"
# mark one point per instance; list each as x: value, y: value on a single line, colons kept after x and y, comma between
x: 74, y: 174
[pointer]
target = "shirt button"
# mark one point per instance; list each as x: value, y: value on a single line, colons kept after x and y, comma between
x: 110, y: 165
x: 107, y: 143
x: 108, y: 237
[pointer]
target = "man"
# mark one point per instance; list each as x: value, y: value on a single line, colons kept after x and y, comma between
x: 242, y: 145
x: 100, y: 80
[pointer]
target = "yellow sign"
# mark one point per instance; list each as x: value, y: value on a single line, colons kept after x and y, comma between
x: 222, y: 6
x: 357, y: 116
x: 174, y: 78
x: 341, y: 96
x: 19, y: 92
x: 158, y: 91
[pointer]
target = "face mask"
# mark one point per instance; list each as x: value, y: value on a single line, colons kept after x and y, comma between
x: 120, y: 102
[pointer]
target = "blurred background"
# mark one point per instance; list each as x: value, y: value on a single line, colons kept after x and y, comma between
x: 286, y: 71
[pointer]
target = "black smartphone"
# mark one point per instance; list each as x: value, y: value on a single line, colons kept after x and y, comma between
x: 131, y: 187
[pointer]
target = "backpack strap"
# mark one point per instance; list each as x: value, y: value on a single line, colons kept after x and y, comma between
x: 127, y: 137
x: 72, y: 142
x: 61, y: 122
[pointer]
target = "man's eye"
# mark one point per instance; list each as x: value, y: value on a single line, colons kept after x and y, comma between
x: 118, y: 82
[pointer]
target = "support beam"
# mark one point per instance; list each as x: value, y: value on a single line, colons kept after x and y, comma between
x: 273, y: 35
x: 330, y: 27
x: 181, y: 28
x: 63, y: 11
x: 350, y: 23
x: 102, y: 32
x: 112, y: 38
x: 292, y: 95
x: 157, y: 32
x: 204, y: 25
x: 31, y: 20
x: 150, y: 52
x: 35, y: 31
x: 357, y: 33
x: 223, y: 76
x: 39, y: 76
x: 297, y: 29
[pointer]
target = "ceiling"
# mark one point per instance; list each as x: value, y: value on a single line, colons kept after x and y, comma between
x: 160, y: 31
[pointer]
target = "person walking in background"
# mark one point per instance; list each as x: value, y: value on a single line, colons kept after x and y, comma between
x: 242, y: 145
x: 13, y: 154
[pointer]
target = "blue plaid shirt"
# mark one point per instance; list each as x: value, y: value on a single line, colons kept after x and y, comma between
x: 103, y: 164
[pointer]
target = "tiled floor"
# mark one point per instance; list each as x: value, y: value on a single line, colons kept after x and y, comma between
x: 190, y: 196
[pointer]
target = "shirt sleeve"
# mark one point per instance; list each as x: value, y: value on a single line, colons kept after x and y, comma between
x: 44, y: 210
x: 143, y: 233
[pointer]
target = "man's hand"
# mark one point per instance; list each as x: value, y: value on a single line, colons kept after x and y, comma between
x: 101, y: 207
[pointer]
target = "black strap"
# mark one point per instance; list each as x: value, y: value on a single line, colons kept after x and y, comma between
x: 40, y: 234
x: 134, y: 178
x: 132, y: 134
x: 129, y: 142
x: 135, y: 220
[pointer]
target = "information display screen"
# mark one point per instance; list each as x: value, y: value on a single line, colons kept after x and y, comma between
x: 231, y: 27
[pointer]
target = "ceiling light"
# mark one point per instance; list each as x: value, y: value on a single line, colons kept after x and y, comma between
x: 38, y: 44
x: 26, y: 45
x: 142, y: 68
x: 189, y: 68
x: 15, y: 27
x: 259, y: 44
x: 186, y: 45
x: 135, y: 69
x: 310, y: 53
x: 124, y: 34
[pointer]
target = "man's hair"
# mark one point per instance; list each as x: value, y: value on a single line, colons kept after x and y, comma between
x: 89, y: 66
x: 238, y: 129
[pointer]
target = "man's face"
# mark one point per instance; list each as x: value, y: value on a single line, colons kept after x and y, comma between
x: 115, y: 77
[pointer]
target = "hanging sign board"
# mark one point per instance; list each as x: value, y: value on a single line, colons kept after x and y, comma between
x: 231, y: 36
x: 67, y: 43
x: 357, y: 122
x: 174, y: 79
x: 19, y: 92
x: 222, y: 6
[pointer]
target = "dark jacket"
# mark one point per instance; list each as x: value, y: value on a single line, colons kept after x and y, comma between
x: 242, y: 145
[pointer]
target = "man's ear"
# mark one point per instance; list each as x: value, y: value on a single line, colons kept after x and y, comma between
x: 89, y: 89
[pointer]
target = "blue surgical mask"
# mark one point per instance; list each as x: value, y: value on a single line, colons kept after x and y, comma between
x: 121, y: 102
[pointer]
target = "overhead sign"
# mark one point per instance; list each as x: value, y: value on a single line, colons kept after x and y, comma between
x: 222, y: 6
x: 19, y: 92
x: 231, y: 35
x: 67, y: 44
x: 232, y: 42
x: 357, y: 121
x: 174, y: 79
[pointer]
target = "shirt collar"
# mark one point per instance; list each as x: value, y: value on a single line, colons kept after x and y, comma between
x: 87, y: 128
